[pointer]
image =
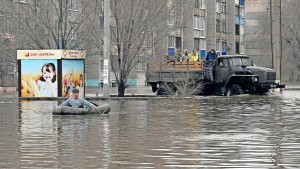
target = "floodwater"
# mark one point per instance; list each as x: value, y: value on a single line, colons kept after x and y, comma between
x: 250, y: 131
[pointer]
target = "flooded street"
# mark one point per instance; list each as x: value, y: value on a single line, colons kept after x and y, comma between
x: 250, y: 131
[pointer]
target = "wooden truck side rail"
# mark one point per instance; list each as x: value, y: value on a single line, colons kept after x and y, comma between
x: 175, y: 66
x: 173, y: 71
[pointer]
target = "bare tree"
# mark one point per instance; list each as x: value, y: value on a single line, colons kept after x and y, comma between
x: 137, y: 24
x: 54, y: 24
x: 7, y: 44
x: 50, y: 24
x: 188, y: 86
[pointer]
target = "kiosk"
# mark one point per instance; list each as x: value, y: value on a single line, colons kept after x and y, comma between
x: 50, y: 73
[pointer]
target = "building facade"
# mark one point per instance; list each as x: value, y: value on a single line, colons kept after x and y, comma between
x: 205, y: 24
x: 263, y: 38
x: 196, y: 25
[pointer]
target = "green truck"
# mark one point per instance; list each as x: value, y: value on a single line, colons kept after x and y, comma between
x: 226, y: 75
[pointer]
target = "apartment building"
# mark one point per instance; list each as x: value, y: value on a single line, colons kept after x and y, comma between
x: 206, y: 24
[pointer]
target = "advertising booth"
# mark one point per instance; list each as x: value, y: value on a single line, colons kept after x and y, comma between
x: 50, y: 73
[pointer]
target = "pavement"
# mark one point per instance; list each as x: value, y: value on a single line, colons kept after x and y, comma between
x: 113, y: 91
x: 147, y: 91
x: 293, y: 86
x: 140, y: 91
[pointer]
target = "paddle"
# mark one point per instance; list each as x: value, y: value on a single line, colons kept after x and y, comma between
x: 96, y: 108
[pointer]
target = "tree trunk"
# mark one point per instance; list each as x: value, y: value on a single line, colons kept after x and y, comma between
x: 121, y: 89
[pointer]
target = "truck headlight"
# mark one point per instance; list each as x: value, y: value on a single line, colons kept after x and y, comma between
x: 254, y: 79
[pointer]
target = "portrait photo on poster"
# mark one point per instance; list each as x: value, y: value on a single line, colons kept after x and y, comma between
x: 39, y: 78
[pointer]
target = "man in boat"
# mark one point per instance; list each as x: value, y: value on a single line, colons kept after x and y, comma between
x: 76, y: 102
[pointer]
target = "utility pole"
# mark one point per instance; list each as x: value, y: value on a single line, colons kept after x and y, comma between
x: 271, y: 34
x: 276, y: 37
x: 106, y: 49
x: 280, y: 31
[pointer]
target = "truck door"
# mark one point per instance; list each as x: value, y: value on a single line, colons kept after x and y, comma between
x: 222, y: 70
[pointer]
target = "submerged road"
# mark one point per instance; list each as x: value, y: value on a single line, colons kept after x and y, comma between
x: 248, y: 131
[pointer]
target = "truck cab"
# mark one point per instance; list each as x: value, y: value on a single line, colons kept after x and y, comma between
x: 235, y: 75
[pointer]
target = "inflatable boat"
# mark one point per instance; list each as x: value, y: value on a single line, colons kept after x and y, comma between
x: 66, y: 110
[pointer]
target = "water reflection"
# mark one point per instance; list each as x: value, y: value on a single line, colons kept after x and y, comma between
x: 261, y: 131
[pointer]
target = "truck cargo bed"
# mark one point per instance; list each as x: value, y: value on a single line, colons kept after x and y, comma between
x: 174, y: 71
x: 174, y: 66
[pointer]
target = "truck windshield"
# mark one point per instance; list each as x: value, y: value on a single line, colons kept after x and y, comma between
x: 238, y: 61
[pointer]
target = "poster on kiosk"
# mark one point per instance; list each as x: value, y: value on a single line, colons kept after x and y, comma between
x: 50, y: 73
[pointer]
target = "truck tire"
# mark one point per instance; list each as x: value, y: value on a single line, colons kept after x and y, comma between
x: 208, y: 75
x: 235, y: 89
x: 160, y: 92
x: 154, y: 87
x: 166, y: 89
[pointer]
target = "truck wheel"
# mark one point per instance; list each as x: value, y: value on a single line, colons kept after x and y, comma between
x: 154, y: 87
x: 235, y: 89
x: 160, y: 92
x: 208, y: 75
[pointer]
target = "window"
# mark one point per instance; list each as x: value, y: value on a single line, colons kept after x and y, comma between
x: 171, y: 41
x: 197, y: 3
x: 223, y: 7
x: 237, y: 11
x: 202, y: 4
x: 196, y: 43
x: 237, y: 48
x: 242, y: 12
x: 237, y: 29
x: 223, y: 27
x: 196, y: 22
x: 218, y: 29
x: 237, y: 2
x: 202, y: 44
x: 218, y: 7
x: 202, y: 27
x: 178, y: 42
x: 202, y: 23
x: 218, y: 45
x: 238, y: 61
x: 224, y: 46
x: 202, y: 33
